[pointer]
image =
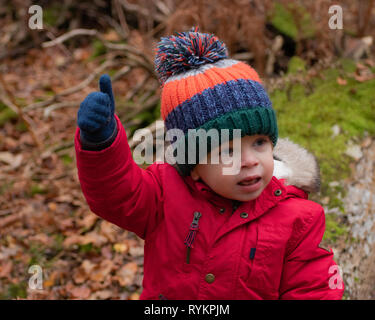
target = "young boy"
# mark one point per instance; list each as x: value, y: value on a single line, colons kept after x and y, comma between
x: 208, y: 235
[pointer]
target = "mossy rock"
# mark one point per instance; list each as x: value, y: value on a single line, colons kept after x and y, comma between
x: 308, y: 120
x: 296, y: 65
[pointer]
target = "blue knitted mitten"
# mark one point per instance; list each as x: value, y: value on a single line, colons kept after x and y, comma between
x: 95, y: 117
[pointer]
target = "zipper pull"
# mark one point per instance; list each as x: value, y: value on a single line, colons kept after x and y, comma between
x: 191, y: 235
x: 235, y: 205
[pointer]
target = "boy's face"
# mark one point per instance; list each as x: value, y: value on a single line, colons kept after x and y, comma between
x: 256, y: 170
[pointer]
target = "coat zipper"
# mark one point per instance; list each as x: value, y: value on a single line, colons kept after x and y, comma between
x: 191, y: 235
x: 235, y: 205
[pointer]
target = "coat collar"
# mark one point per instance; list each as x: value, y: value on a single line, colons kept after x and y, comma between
x: 267, y: 199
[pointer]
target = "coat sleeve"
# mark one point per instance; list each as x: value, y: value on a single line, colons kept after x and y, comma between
x: 309, y: 271
x: 116, y: 188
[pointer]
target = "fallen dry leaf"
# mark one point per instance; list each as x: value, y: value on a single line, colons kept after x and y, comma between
x: 360, y: 66
x: 80, y: 292
x: 88, y: 221
x: 121, y: 247
x: 101, y: 295
x: 364, y: 77
x: 14, y: 161
x: 51, y: 280
x: 5, y: 269
x: 369, y: 63
x: 108, y: 230
x: 111, y: 35
x: 42, y: 238
x: 341, y: 81
x: 134, y: 296
x: 125, y: 275
x: 72, y: 239
x: 94, y: 238
x: 9, y: 220
x: 99, y: 273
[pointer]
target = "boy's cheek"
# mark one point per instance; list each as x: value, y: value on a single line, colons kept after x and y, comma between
x: 231, y: 165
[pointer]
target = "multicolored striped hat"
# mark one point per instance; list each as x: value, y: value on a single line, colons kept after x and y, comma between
x: 204, y: 89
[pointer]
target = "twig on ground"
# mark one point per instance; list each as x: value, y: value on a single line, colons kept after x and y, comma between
x: 66, y: 104
x: 68, y: 35
x: 122, y: 72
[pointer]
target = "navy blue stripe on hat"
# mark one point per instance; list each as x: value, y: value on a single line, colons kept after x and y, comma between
x: 216, y: 101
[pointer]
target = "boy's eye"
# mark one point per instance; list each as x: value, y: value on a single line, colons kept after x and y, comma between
x: 260, y: 141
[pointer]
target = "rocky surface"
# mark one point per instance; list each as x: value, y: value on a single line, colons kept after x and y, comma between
x: 356, y: 253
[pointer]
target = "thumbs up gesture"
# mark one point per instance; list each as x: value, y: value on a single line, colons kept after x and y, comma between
x: 95, y: 116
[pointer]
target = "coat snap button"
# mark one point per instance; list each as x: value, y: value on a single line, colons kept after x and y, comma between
x: 209, y: 278
x: 278, y: 192
x: 222, y: 210
x: 244, y: 215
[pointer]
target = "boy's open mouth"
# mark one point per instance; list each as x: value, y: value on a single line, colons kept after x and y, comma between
x: 249, y: 181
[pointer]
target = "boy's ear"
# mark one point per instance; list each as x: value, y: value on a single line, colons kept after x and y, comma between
x: 194, y: 174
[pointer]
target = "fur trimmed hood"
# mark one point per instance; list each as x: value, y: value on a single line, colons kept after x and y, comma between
x: 296, y: 165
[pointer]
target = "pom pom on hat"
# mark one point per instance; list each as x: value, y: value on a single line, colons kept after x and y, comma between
x: 186, y: 51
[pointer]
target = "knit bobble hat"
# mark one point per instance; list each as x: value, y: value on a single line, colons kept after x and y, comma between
x: 204, y: 89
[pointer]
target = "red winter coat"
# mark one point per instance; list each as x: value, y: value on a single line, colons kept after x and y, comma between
x: 267, y: 248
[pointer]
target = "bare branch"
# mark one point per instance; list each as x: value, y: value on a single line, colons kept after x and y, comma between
x: 122, y: 18
x: 66, y: 104
x: 68, y: 35
x: 140, y: 10
x: 122, y: 72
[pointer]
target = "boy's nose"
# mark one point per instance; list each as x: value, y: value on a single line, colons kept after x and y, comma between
x: 248, y: 159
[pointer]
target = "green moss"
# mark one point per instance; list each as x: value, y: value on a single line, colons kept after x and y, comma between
x: 145, y: 116
x: 157, y: 111
x: 37, y: 254
x: 296, y: 65
x: 88, y: 248
x: 51, y: 14
x: 98, y: 49
x: 6, y: 186
x: 21, y: 126
x: 37, y: 189
x: 307, y: 119
x: 15, y: 290
x: 6, y: 115
x: 111, y: 72
x: 21, y: 101
x: 282, y: 19
x: 67, y: 159
x: 58, y: 242
x: 334, y: 230
x: 38, y: 99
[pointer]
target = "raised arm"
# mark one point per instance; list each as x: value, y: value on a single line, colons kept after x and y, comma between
x: 114, y: 186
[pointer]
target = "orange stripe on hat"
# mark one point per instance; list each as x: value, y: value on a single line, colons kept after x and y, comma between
x: 177, y: 91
